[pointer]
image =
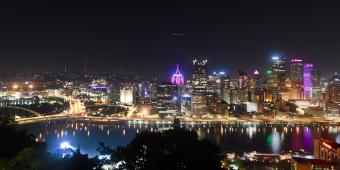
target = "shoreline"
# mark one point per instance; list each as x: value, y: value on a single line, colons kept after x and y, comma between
x: 200, y: 120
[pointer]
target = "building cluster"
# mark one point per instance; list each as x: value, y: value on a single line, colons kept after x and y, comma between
x: 289, y: 87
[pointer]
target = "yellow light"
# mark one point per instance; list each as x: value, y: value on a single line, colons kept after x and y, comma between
x: 31, y: 86
x: 145, y: 112
x: 326, y: 145
x: 15, y: 86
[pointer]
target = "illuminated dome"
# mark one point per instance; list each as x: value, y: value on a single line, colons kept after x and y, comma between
x: 177, y: 78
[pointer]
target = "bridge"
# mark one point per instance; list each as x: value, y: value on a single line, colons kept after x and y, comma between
x: 18, y: 111
x: 22, y: 114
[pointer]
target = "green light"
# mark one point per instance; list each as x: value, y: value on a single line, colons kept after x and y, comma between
x: 269, y: 140
x: 269, y: 72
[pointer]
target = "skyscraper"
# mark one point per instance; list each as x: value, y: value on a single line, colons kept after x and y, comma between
x: 307, y: 80
x: 296, y: 71
x: 177, y: 78
x: 333, y: 89
x: 279, y: 70
x: 199, y: 83
x: 200, y: 77
x: 126, y: 95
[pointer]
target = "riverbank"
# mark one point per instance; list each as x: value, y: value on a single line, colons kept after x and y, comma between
x: 231, y: 119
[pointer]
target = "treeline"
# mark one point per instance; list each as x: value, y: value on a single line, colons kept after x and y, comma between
x: 175, y: 149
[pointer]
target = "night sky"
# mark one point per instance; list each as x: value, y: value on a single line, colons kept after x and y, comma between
x: 152, y: 37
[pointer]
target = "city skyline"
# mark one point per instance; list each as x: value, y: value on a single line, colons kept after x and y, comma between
x: 130, y: 37
x: 170, y: 85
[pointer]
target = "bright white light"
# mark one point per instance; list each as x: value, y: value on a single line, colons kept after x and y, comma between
x: 66, y: 145
x: 186, y: 95
x: 275, y: 58
x: 101, y: 157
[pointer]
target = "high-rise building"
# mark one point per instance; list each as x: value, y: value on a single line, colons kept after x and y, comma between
x: 199, y: 83
x: 294, y: 85
x: 307, y: 80
x: 200, y: 77
x: 333, y: 89
x: 296, y: 71
x: 216, y: 83
x: 126, y: 95
x: 167, y: 91
x: 177, y: 78
x: 277, y: 76
x: 316, y: 84
x: 279, y: 70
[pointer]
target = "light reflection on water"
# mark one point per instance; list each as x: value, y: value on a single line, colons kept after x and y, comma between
x: 237, y: 138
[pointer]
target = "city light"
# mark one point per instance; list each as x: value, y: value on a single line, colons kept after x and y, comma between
x: 65, y: 145
x: 307, y: 80
x: 269, y: 72
x: 15, y: 86
x: 177, y: 78
x: 296, y: 60
x: 275, y: 58
x: 145, y: 112
x: 124, y: 85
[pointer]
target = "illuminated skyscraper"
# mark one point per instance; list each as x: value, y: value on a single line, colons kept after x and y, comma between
x: 216, y: 83
x: 307, y: 80
x: 316, y: 84
x: 296, y: 71
x: 177, y: 78
x: 126, y: 95
x: 199, y: 83
x: 333, y: 89
x: 279, y: 70
x: 200, y: 77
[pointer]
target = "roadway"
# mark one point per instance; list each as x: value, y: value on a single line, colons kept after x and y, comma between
x: 77, y: 111
x: 84, y: 116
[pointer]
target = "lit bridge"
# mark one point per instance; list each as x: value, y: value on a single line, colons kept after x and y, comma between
x: 16, y: 111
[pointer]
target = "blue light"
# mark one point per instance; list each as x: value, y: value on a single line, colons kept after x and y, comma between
x: 275, y: 58
x: 65, y: 145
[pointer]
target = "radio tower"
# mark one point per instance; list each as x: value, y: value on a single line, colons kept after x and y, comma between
x: 65, y: 69
x: 85, y: 66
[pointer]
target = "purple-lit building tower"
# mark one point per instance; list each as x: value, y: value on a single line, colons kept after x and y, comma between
x: 177, y: 78
x: 307, y: 80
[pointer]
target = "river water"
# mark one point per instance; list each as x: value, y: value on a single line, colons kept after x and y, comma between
x: 230, y: 137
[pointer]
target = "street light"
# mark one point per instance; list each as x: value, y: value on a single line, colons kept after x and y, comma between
x: 15, y: 86
x: 145, y: 112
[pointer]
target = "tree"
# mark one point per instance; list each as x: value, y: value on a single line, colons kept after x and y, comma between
x: 19, y: 151
x: 77, y: 161
x: 176, y: 149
